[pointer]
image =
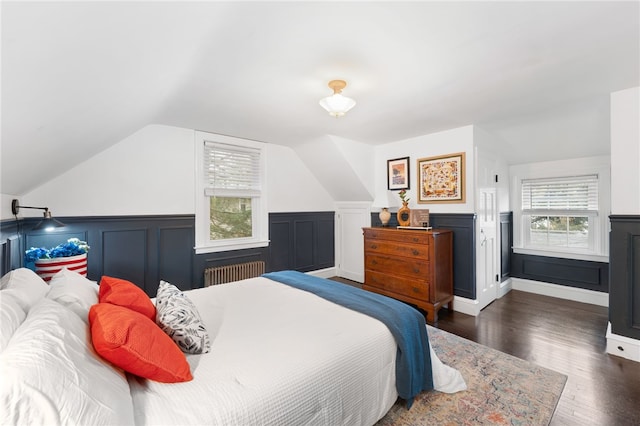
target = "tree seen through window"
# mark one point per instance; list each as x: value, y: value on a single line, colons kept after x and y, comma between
x: 230, y: 217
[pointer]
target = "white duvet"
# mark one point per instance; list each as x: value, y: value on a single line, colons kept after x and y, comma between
x: 281, y: 356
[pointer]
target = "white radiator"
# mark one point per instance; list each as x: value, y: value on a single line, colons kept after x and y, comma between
x: 235, y: 272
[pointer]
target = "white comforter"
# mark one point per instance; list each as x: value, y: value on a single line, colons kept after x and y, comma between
x: 281, y: 356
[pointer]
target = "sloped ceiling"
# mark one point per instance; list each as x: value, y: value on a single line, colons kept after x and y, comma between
x: 78, y: 77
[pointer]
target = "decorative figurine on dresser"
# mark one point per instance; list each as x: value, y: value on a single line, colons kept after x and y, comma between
x: 412, y: 265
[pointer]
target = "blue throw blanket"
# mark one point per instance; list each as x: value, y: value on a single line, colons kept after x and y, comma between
x: 413, y: 359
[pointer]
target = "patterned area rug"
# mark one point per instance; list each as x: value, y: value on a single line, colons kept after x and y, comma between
x: 502, y: 389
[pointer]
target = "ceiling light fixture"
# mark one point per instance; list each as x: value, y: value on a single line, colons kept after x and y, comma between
x: 336, y: 104
x: 48, y: 223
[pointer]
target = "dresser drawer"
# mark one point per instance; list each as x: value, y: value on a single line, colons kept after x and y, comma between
x: 400, y: 285
x: 394, y: 249
x: 397, y: 266
x: 401, y: 236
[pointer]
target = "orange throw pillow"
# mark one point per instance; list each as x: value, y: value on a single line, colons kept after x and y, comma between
x: 125, y: 293
x: 136, y: 344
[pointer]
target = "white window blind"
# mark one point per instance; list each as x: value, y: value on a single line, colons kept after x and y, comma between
x: 231, y: 170
x: 576, y: 195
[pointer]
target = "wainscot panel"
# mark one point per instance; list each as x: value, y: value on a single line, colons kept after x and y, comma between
x: 570, y: 272
x: 464, y: 250
x: 624, y: 295
x: 464, y: 253
x: 301, y: 241
x: 506, y: 243
x: 303, y: 231
x: 124, y: 254
x: 10, y: 254
x: 280, y: 244
x: 175, y: 266
x: 10, y: 249
x: 147, y: 249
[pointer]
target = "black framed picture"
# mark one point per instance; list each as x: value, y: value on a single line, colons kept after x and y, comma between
x: 398, y: 173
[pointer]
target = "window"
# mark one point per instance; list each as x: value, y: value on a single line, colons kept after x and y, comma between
x: 561, y: 213
x: 231, y: 211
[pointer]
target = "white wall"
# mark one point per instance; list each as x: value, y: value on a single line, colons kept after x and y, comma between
x: 490, y: 163
x: 340, y: 165
x: 625, y: 152
x: 441, y: 143
x: 291, y: 187
x: 151, y: 172
x: 5, y: 206
x: 360, y: 158
x: 145, y: 173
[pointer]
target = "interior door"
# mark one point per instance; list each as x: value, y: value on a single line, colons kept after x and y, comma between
x: 487, y: 274
x: 350, y: 219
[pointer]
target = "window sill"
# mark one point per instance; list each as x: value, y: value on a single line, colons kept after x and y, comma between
x: 230, y: 246
x: 563, y: 255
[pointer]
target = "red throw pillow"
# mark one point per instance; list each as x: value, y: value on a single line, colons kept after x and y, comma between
x: 136, y: 344
x: 125, y: 293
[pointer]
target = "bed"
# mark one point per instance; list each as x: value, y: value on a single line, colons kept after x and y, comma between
x: 276, y: 355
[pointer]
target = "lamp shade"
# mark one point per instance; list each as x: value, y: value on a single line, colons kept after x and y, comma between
x: 337, y: 105
x: 385, y: 199
x: 48, y: 223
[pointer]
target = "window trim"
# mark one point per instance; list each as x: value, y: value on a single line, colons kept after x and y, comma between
x: 260, y: 213
x: 556, y: 169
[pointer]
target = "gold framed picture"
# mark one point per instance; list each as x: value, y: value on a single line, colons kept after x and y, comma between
x: 441, y: 179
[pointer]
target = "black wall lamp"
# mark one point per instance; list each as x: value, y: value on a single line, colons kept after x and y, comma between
x: 48, y: 223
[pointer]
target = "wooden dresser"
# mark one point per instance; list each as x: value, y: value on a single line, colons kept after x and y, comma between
x: 414, y: 266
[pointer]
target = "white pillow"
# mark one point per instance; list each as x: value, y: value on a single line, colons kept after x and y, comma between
x: 51, y: 374
x: 11, y: 316
x: 74, y: 291
x: 179, y: 318
x: 28, y: 286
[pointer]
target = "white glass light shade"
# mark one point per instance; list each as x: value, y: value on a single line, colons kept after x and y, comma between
x: 337, y: 105
x: 385, y: 199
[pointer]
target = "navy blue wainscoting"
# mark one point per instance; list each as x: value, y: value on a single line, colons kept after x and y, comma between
x: 301, y: 241
x: 506, y: 243
x: 624, y: 296
x: 147, y: 249
x: 569, y: 272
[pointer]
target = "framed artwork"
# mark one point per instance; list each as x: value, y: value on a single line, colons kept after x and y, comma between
x: 441, y: 179
x: 420, y: 218
x: 398, y: 173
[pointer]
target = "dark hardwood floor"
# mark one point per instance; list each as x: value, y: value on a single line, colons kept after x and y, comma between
x: 564, y: 336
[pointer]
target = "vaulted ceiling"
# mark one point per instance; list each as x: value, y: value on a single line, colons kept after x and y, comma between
x: 77, y: 77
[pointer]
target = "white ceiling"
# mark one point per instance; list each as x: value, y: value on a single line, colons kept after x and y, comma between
x: 78, y: 77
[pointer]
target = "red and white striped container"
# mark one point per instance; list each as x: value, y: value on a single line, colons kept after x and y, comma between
x: 47, y: 268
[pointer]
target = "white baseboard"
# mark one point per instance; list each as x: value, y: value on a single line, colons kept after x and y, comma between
x: 466, y: 306
x: 561, y: 291
x: 323, y: 273
x: 505, y: 287
x: 622, y: 346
